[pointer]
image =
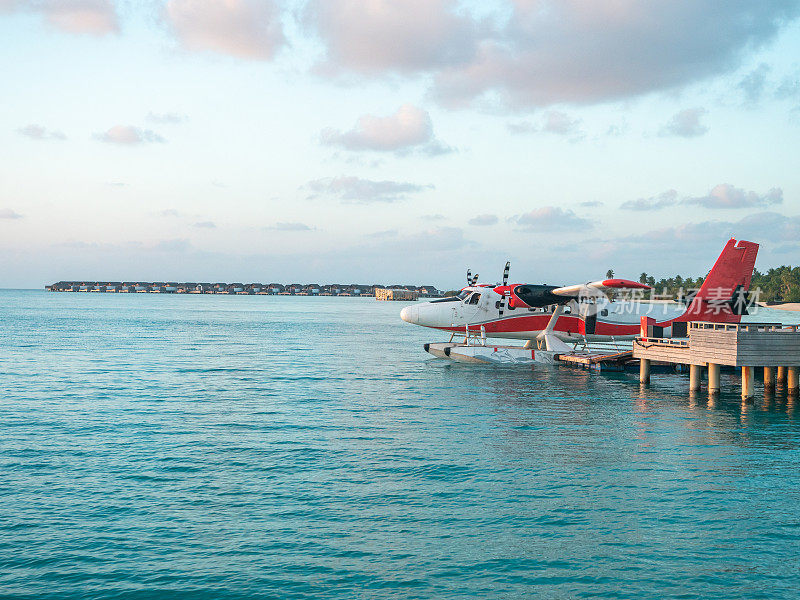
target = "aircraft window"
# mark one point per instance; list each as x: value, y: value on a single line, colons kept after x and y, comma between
x: 474, y: 299
x: 464, y: 294
x: 567, y: 310
x: 604, y: 312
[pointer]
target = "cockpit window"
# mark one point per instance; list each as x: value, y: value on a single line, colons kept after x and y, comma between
x: 474, y: 299
x: 464, y: 294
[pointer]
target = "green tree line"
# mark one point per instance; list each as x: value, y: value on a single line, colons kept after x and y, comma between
x: 780, y: 284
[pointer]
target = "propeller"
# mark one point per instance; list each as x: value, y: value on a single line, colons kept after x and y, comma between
x: 469, y: 277
x: 505, y: 282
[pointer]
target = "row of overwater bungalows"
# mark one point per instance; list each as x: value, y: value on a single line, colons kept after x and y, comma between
x: 171, y: 287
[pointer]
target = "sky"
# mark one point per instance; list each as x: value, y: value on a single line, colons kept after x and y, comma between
x: 394, y: 141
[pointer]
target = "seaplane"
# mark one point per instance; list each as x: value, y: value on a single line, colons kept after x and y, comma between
x: 554, y: 320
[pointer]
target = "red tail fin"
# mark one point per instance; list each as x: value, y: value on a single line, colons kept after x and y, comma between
x: 722, y: 297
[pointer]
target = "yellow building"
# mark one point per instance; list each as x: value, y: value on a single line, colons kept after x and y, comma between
x: 392, y: 294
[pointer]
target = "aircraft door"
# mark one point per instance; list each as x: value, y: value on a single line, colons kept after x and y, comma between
x: 469, y: 309
x: 590, y: 324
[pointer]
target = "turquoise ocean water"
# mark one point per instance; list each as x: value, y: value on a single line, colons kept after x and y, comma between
x: 160, y: 446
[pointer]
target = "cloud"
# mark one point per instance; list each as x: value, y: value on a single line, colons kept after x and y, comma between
x: 752, y: 85
x: 521, y: 127
x: 37, y: 132
x: 94, y: 17
x: 166, y: 118
x: 169, y: 212
x: 663, y: 200
x: 770, y: 227
x: 355, y: 189
x: 553, y: 121
x: 686, y: 123
x: 550, y: 218
x: 483, y: 220
x: 722, y: 196
x: 376, y: 36
x: 763, y: 227
x: 560, y: 123
x: 7, y: 213
x: 434, y: 217
x: 409, y: 127
x: 591, y: 204
x: 292, y: 226
x: 545, y: 52
x: 128, y: 135
x: 556, y: 51
x: 725, y: 195
x: 249, y: 29
x: 206, y: 225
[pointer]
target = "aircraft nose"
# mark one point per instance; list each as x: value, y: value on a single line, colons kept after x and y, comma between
x: 409, y: 315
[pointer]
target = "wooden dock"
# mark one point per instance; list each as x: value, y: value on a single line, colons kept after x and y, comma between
x: 597, y: 360
x: 771, y: 346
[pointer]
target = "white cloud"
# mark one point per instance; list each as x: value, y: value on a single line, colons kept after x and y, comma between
x: 725, y: 195
x: 722, y: 196
x: 205, y: 225
x: 7, y: 213
x: 551, y: 218
x: 483, y: 220
x: 38, y: 132
x: 409, y: 127
x: 663, y: 200
x: 555, y: 122
x: 375, y: 36
x: 686, y: 123
x: 248, y: 29
x: 95, y: 17
x: 355, y: 189
x: 546, y: 52
x: 560, y: 123
x: 128, y: 135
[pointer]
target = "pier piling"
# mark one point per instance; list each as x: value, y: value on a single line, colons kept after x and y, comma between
x: 713, y: 379
x: 748, y: 389
x: 791, y: 380
x: 769, y: 378
x: 695, y: 376
x: 781, y: 377
x: 644, y: 371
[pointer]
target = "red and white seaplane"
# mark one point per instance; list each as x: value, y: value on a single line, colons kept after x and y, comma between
x: 549, y: 318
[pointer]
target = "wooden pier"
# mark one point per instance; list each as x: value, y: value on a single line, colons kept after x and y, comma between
x: 773, y: 347
x: 597, y: 360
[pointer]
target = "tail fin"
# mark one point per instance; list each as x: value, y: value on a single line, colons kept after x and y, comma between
x: 723, y: 296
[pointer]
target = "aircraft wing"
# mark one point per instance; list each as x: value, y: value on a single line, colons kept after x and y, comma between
x: 598, y: 288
